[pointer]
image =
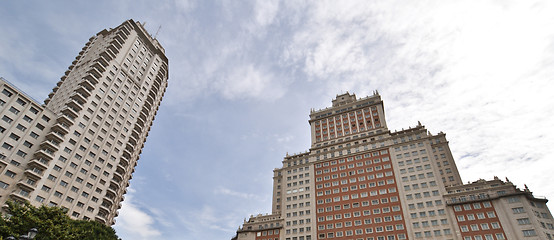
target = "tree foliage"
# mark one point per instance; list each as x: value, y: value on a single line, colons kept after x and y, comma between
x: 52, y: 223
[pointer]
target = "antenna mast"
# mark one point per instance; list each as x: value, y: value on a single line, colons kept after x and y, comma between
x: 160, y: 27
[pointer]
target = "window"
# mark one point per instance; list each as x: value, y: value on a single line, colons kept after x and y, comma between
x: 27, y: 118
x: 10, y: 174
x: 7, y: 146
x: 518, y: 210
x: 14, y: 110
x: 34, y: 135
x: 529, y: 233
x: 7, y: 119
x: 21, y: 153
x: 33, y: 110
x: 39, y: 199
x: 523, y: 221
x: 14, y: 137
x: 27, y: 144
x: 7, y: 93
x: 45, y: 188
x: 52, y: 178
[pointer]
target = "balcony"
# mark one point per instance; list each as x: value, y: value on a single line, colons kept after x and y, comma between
x: 87, y: 84
x: 123, y: 162
x: 117, y: 176
x: 118, y: 37
x: 126, y: 154
x: 84, y: 91
x: 33, y: 173
x: 41, y: 164
x: 120, y: 170
x: 146, y: 111
x: 112, y: 191
x: 132, y: 140
x: 129, y: 147
x: 140, y: 121
x: 143, y: 114
x: 75, y: 105
x: 103, y: 208
x: 95, y: 72
x: 26, y: 185
x: 116, y: 44
x: 44, y: 153
x: 109, y: 200
x: 155, y: 88
x: 103, y: 61
x: 122, y: 34
x: 79, y: 98
x: 55, y: 136
x: 114, y: 185
x: 135, y: 134
x: 97, y: 69
x: 113, y: 49
x: 51, y: 145
x: 70, y: 112
x: 19, y: 196
x: 137, y: 128
x: 111, y: 53
x: 148, y: 102
x: 65, y: 120
x: 106, y: 56
x: 100, y: 219
x: 61, y: 127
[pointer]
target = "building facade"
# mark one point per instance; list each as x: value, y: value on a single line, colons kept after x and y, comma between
x: 361, y: 181
x: 79, y: 149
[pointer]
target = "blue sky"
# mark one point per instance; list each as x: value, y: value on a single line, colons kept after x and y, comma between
x: 245, y: 74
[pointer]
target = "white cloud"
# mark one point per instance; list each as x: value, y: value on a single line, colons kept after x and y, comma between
x: 185, y: 6
x: 478, y: 70
x: 134, y: 221
x: 249, y: 81
x: 197, y: 222
x: 265, y: 12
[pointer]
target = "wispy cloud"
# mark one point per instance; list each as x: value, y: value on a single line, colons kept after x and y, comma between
x: 229, y: 192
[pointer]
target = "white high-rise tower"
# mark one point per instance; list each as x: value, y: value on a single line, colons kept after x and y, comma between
x: 79, y: 150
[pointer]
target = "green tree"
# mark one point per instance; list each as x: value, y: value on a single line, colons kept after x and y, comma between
x: 52, y: 223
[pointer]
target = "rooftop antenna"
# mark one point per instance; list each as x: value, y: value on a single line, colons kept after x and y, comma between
x: 160, y: 27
